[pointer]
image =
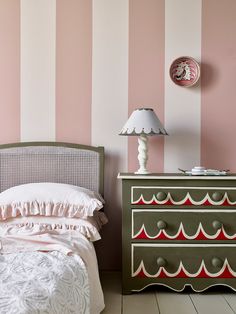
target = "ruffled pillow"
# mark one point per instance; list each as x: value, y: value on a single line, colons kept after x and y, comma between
x: 39, y: 225
x: 49, y: 199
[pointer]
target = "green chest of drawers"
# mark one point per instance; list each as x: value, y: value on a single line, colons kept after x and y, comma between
x: 177, y: 231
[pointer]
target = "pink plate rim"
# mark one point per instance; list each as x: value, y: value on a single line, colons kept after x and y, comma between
x: 197, y: 71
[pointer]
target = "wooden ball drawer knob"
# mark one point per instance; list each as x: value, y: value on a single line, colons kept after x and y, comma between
x: 161, y: 196
x: 216, y: 224
x: 217, y: 262
x: 161, y: 224
x: 161, y: 261
x: 217, y: 196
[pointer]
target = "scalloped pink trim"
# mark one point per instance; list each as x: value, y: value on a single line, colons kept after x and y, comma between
x: 49, y: 209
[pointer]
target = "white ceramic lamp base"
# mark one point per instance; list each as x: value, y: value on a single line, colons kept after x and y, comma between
x: 143, y: 154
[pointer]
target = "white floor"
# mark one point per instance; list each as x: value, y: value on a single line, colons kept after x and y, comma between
x: 163, y: 301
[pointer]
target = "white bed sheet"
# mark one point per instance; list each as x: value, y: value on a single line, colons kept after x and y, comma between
x: 71, y: 245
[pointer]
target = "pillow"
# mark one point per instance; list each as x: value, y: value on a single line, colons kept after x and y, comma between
x: 39, y: 225
x: 49, y: 199
x: 31, y: 226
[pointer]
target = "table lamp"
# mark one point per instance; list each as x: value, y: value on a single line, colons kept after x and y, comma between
x: 143, y: 122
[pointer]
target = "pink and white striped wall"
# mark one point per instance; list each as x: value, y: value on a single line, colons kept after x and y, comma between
x: 74, y: 70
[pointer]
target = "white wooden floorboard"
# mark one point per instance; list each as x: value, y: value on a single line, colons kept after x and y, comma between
x: 157, y: 301
x: 176, y: 303
x: 140, y: 303
x: 231, y: 300
x: 111, y: 285
x: 211, y: 303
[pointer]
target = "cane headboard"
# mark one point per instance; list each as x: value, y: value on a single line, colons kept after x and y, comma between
x: 68, y: 163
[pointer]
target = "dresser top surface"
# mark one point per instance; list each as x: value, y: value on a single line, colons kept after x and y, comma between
x: 175, y: 176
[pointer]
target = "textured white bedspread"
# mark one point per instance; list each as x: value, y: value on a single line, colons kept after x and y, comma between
x: 45, y: 273
x: 38, y: 282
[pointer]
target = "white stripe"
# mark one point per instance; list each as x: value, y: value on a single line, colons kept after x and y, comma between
x: 185, y: 286
x: 182, y: 245
x: 38, y: 39
x: 176, y: 177
x: 140, y: 187
x: 110, y: 84
x: 182, y: 105
x: 183, y: 187
x: 187, y: 210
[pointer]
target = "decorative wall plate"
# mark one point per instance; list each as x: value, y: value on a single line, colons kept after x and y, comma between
x: 185, y: 71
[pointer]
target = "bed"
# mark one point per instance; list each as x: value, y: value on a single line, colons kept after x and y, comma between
x: 51, y: 212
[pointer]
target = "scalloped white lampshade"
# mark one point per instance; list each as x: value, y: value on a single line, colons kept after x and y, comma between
x: 143, y: 121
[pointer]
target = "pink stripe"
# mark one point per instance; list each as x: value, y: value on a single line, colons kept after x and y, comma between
x: 10, y: 71
x: 218, y: 84
x: 74, y: 71
x: 146, y: 72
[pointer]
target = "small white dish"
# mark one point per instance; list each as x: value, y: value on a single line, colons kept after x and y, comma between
x: 202, y: 171
x: 195, y: 173
x: 198, y: 170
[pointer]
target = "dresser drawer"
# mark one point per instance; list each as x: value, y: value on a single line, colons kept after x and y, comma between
x: 183, y: 196
x: 183, y: 261
x: 188, y: 224
x: 176, y: 266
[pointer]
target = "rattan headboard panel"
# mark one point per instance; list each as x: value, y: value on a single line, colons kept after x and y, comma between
x: 51, y: 162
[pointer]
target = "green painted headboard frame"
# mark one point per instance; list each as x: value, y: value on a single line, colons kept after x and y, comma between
x: 27, y: 162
